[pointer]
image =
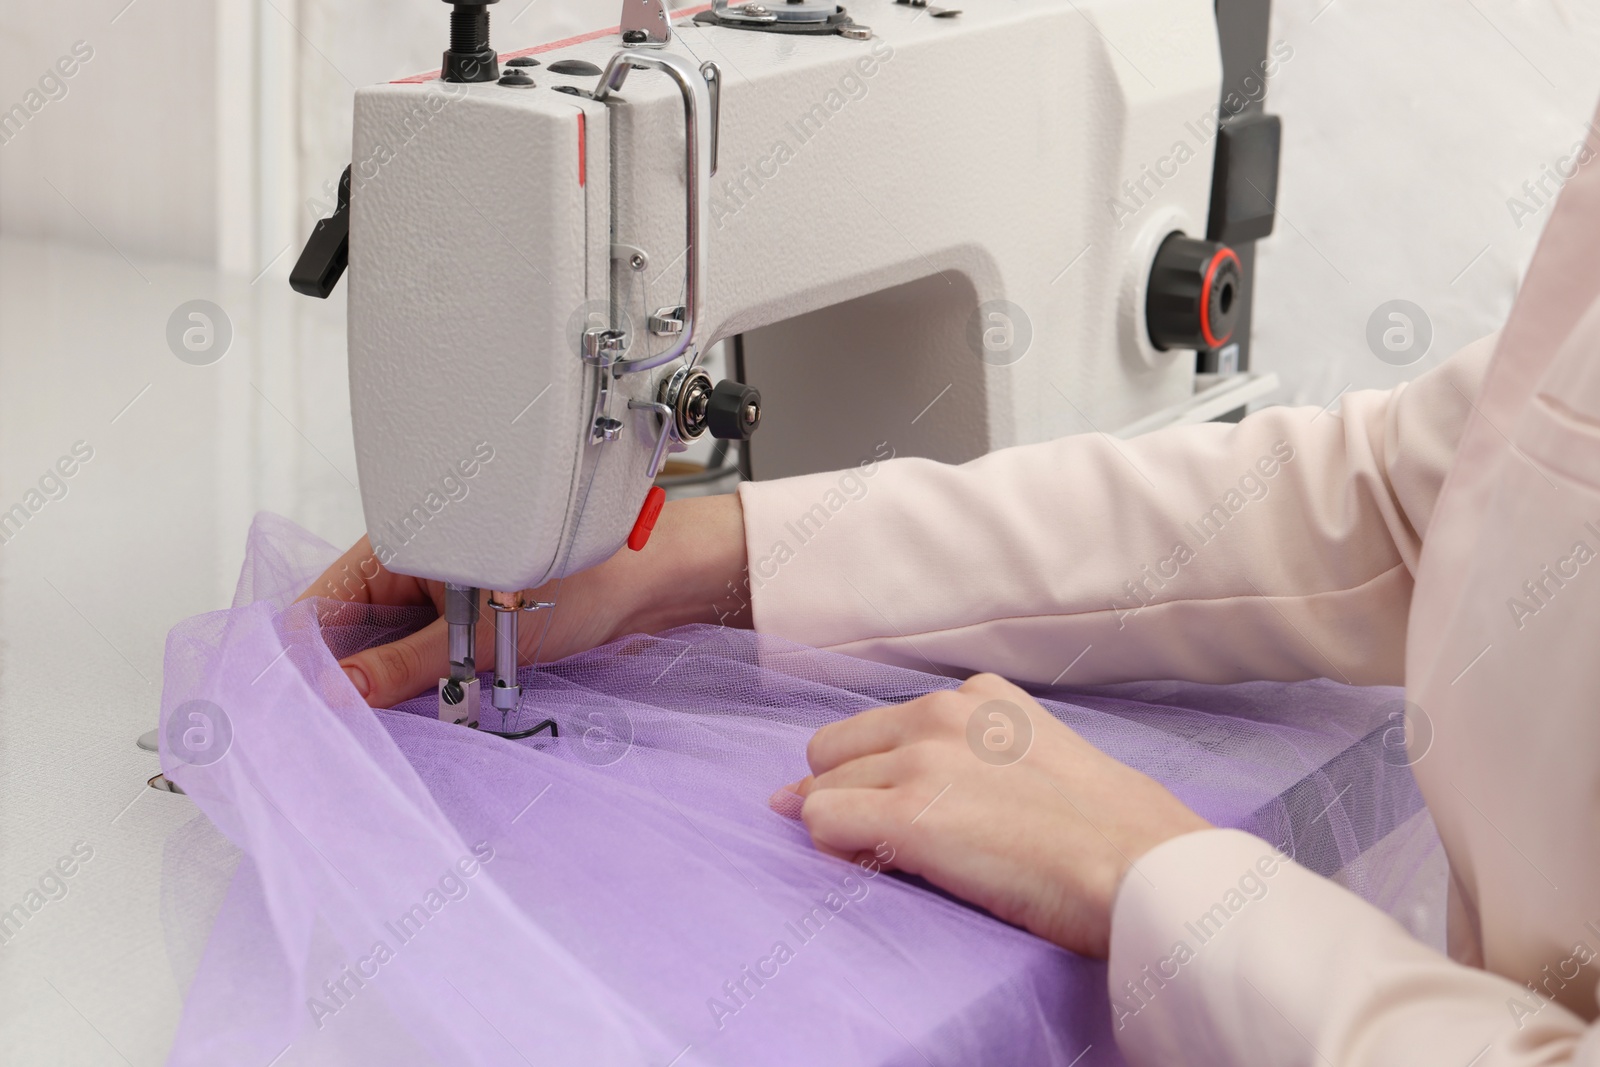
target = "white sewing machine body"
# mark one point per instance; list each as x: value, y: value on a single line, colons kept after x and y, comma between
x: 871, y: 196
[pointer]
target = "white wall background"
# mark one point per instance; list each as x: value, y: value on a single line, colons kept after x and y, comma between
x: 202, y: 129
x: 131, y: 147
x: 1406, y: 128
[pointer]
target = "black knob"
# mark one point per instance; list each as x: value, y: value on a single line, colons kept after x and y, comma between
x: 469, y: 58
x: 734, y: 411
x: 1194, y: 294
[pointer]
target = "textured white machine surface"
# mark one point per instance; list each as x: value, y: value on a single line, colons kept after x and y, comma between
x: 874, y: 201
x: 473, y: 260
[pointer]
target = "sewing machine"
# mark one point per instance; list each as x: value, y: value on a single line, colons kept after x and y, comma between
x: 950, y: 231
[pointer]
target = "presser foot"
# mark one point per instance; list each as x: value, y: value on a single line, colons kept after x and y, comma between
x: 458, y: 705
x: 458, y: 702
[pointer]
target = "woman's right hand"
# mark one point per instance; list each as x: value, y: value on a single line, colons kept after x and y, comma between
x: 692, y: 570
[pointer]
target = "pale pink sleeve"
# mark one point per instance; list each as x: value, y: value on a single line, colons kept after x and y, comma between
x: 1278, y: 548
x: 1224, y: 953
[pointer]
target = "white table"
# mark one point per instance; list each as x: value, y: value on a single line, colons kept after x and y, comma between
x: 151, y: 530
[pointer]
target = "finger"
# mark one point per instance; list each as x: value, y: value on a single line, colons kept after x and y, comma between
x: 385, y: 675
x: 879, y: 770
x: 357, y: 577
x: 873, y: 730
x: 847, y: 822
x: 788, y: 800
x: 993, y: 686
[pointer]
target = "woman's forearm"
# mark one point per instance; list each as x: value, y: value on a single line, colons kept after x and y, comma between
x: 1278, y: 548
x: 691, y: 571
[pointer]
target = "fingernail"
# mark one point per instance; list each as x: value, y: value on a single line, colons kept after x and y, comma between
x: 358, y: 678
x: 786, y: 802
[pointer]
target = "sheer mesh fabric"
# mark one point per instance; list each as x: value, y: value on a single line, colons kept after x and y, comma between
x: 393, y: 890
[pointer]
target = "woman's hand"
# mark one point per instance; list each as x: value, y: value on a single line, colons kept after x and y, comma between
x: 692, y: 570
x: 982, y: 792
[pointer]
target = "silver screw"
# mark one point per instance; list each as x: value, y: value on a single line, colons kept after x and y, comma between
x: 856, y: 33
x: 636, y: 261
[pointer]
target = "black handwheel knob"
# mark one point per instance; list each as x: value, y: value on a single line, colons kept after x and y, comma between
x: 734, y: 411
x: 1194, y: 295
x: 469, y: 58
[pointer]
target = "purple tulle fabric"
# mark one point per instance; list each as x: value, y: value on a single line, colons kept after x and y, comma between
x: 407, y: 892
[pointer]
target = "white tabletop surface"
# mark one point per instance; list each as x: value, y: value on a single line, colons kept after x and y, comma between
x: 151, y: 530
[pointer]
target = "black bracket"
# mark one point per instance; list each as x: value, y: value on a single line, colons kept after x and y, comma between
x: 1244, y: 182
x: 327, y: 250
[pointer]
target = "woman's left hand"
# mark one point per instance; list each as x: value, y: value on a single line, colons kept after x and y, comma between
x: 985, y: 794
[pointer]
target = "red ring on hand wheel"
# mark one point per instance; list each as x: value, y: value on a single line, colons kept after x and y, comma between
x: 1212, y: 340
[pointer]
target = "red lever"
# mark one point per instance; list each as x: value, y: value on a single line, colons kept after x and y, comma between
x: 648, y: 515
